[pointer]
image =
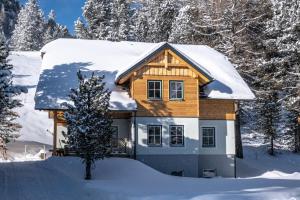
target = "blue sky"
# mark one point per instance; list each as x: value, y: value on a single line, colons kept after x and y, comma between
x: 67, y: 11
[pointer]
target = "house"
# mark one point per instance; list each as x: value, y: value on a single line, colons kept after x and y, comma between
x: 173, y: 105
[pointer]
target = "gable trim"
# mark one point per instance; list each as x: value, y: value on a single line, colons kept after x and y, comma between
x: 164, y: 46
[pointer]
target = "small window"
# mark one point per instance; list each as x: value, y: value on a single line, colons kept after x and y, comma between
x: 114, y: 136
x: 154, y: 89
x: 176, y: 90
x: 208, y: 137
x: 176, y: 135
x: 154, y: 135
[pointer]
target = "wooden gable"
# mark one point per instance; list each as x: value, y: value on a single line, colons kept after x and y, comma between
x: 166, y: 63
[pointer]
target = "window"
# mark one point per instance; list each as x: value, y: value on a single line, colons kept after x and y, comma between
x: 208, y: 137
x: 176, y: 136
x: 154, y: 89
x: 154, y: 135
x: 176, y: 90
x: 114, y: 136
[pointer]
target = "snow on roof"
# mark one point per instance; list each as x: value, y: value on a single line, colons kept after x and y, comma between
x: 64, y: 57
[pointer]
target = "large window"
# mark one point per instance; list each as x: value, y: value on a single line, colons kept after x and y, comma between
x: 208, y: 137
x: 154, y: 90
x: 154, y: 135
x: 177, y: 136
x: 176, y: 90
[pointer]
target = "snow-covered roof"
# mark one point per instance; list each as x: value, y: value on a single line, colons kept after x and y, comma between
x: 62, y: 59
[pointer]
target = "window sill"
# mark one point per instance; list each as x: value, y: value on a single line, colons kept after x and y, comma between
x: 152, y: 145
x: 172, y: 145
x: 176, y: 100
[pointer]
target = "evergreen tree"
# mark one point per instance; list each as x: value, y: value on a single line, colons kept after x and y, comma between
x: 81, y: 31
x: 164, y: 13
x: 53, y: 30
x: 8, y: 127
x: 89, y: 122
x: 29, y: 30
x: 141, y: 25
x: 184, y: 27
x: 283, y: 52
x: 98, y: 15
x: 119, y: 22
x: 9, y: 10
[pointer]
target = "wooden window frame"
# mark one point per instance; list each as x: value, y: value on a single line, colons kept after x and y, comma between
x: 161, y: 88
x: 214, y: 137
x: 176, y: 99
x: 154, y: 145
x: 176, y: 145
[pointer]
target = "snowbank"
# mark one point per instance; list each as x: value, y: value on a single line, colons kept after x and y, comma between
x: 121, y: 178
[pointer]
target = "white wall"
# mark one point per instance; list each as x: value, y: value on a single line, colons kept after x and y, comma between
x: 60, y: 137
x: 224, y: 135
x: 124, y: 126
x: 191, y: 134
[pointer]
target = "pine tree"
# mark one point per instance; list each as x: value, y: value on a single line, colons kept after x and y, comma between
x: 119, y: 22
x: 9, y: 10
x: 184, y: 27
x: 81, y: 31
x: 53, y: 30
x: 8, y: 127
x: 282, y: 44
x: 164, y: 13
x: 97, y: 13
x: 141, y: 25
x: 29, y: 30
x: 89, y: 122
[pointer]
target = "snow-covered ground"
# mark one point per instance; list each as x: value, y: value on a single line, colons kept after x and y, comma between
x: 121, y: 178
x: 260, y: 176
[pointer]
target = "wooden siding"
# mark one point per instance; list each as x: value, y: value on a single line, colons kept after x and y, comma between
x: 216, y: 109
x: 166, y: 107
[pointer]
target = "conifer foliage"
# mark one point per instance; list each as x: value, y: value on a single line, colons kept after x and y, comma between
x: 8, y: 127
x: 9, y: 10
x: 89, y: 123
x: 29, y: 30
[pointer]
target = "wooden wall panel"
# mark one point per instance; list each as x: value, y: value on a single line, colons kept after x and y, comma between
x: 166, y: 107
x: 217, y: 109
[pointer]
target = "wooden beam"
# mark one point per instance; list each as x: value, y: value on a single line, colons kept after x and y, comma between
x: 166, y: 59
x: 54, y: 133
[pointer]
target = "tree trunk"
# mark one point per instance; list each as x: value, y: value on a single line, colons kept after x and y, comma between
x: 88, y: 165
x: 297, y: 139
x: 271, y: 152
x: 238, y: 138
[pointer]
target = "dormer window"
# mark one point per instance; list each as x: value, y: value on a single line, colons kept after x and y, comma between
x: 154, y: 90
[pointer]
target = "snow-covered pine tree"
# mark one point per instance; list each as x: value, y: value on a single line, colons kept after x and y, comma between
x: 53, y: 30
x: 184, y: 26
x: 97, y: 13
x: 164, y: 13
x: 282, y: 43
x: 141, y: 25
x: 88, y: 119
x: 193, y: 24
x: 119, y: 22
x: 9, y: 10
x: 8, y: 127
x: 29, y: 30
x: 81, y: 31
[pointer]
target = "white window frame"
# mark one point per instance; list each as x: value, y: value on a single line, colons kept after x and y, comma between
x: 160, y: 135
x: 176, y: 135
x: 213, y: 136
x: 160, y: 89
x: 182, y: 90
